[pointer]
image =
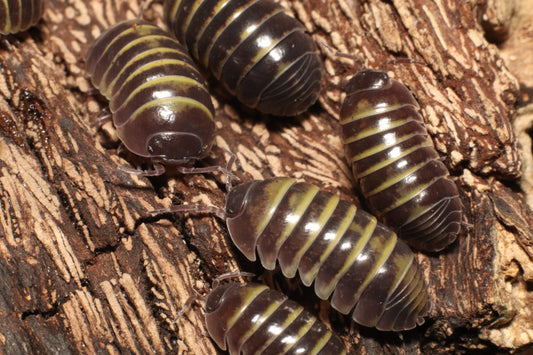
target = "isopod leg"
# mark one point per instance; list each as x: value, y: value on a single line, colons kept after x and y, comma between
x: 209, y: 169
x: 219, y: 212
x: 145, y: 4
x: 230, y: 275
x: 188, y: 303
x: 158, y: 170
x: 104, y: 117
x: 229, y: 167
x: 7, y: 44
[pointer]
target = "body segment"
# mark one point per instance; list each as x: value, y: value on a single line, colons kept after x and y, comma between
x: 253, y: 319
x: 161, y: 107
x: 398, y: 171
x: 259, y: 54
x: 19, y: 15
x: 353, y: 260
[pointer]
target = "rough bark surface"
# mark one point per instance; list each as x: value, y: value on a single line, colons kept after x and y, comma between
x: 84, y: 269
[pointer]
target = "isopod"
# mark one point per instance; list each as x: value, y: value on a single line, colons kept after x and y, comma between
x: 260, y: 54
x: 353, y: 260
x: 253, y: 319
x: 398, y: 170
x: 18, y: 15
x: 161, y: 107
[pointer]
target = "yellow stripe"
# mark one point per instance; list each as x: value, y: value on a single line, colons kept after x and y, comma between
x: 218, y: 33
x: 402, y: 262
x: 384, y: 253
x: 301, y: 203
x: 396, y: 178
x: 366, y: 235
x: 109, y: 89
x: 200, y: 31
x: 369, y: 111
x: 7, y: 27
x: 181, y: 82
x: 136, y: 41
x: 17, y: 27
x: 409, y: 196
x: 140, y: 30
x: 185, y: 23
x: 407, y: 279
x: 386, y: 162
x: 327, y: 211
x: 172, y: 12
x: 251, y: 292
x: 345, y: 223
x: 178, y: 104
x: 274, y: 191
x: 271, y: 309
x: 376, y: 129
x: 380, y: 147
x: 320, y: 343
x: 133, y: 76
x: 305, y: 328
x: 243, y: 36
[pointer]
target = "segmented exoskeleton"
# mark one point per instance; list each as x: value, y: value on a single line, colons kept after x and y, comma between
x: 19, y: 15
x: 398, y: 170
x: 161, y: 107
x: 354, y: 261
x: 253, y: 319
x: 260, y: 54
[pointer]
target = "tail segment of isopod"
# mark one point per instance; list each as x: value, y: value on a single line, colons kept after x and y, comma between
x: 353, y: 260
x: 398, y: 170
x: 260, y: 54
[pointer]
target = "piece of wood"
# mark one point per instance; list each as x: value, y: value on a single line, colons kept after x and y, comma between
x: 84, y: 269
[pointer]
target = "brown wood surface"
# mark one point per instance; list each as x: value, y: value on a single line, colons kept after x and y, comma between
x: 83, y: 269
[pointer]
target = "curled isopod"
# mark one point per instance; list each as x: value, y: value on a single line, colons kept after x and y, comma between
x: 260, y: 54
x: 253, y: 319
x: 398, y: 170
x: 18, y: 15
x: 160, y: 105
x: 353, y: 260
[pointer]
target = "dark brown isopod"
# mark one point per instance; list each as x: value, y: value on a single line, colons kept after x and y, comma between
x: 161, y: 107
x: 395, y: 164
x: 353, y: 260
x: 260, y: 54
x: 253, y: 319
x: 19, y: 15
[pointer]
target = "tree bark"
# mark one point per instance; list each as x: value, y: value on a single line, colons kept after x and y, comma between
x: 85, y: 269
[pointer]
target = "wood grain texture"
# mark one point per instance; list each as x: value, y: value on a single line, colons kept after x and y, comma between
x: 83, y: 269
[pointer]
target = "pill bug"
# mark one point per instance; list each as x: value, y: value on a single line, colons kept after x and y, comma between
x: 260, y: 54
x: 398, y: 170
x: 253, y: 319
x: 160, y: 105
x: 18, y: 15
x: 353, y: 260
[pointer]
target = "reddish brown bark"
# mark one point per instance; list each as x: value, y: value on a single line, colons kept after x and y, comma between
x: 84, y: 270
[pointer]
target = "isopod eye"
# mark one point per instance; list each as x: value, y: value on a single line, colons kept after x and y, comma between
x: 235, y: 200
x: 176, y: 146
x: 367, y: 79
